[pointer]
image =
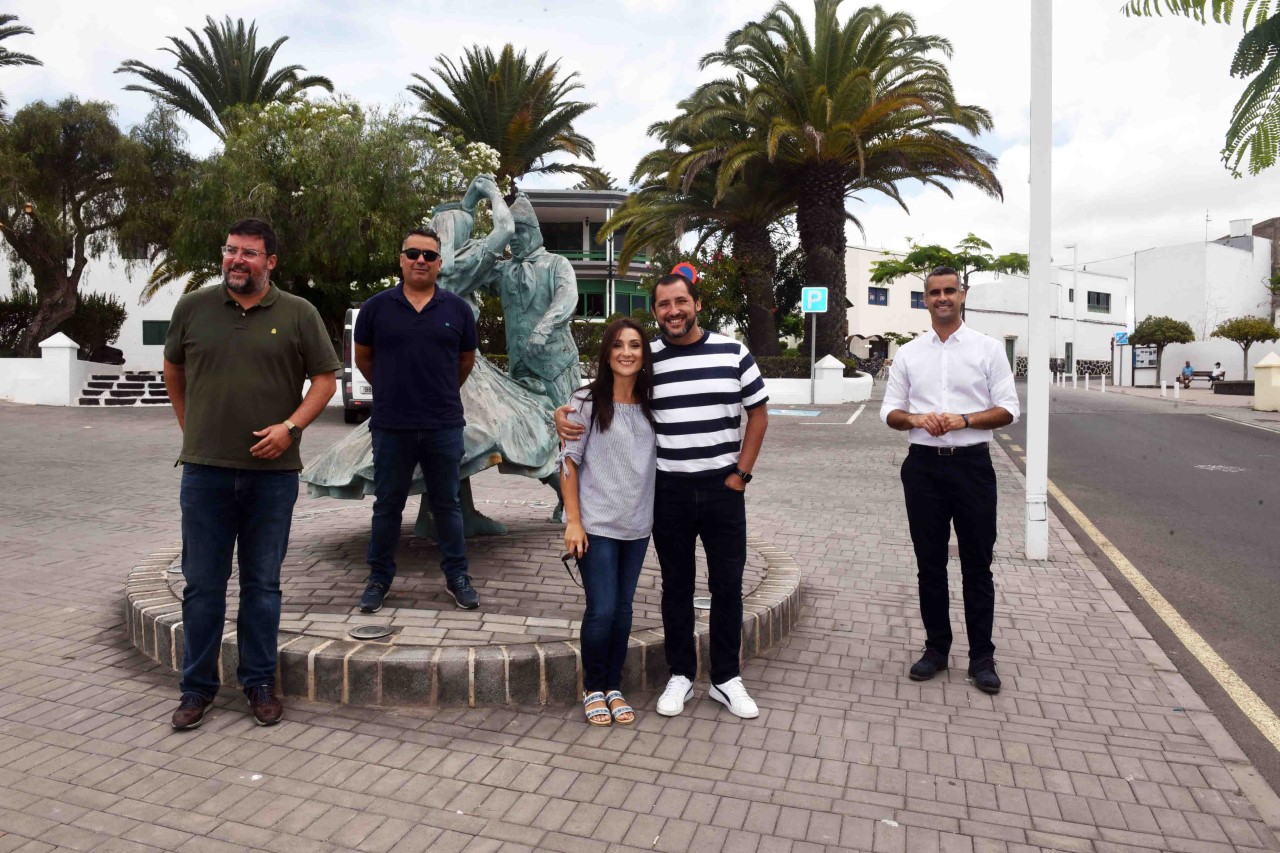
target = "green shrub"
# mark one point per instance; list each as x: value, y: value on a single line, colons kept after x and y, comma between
x: 795, y: 366
x: 95, y: 324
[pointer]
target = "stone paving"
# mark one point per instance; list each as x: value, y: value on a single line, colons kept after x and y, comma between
x: 1096, y: 743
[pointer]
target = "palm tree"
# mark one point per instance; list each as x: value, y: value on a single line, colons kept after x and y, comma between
x: 862, y: 105
x: 10, y: 57
x: 603, y: 181
x: 1256, y: 116
x: 672, y: 202
x: 520, y: 109
x: 229, y: 71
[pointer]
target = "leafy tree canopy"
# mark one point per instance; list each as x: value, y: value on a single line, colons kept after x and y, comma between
x: 1254, y: 132
x: 341, y: 186
x: 1162, y: 331
x: 972, y: 254
x: 72, y: 184
x: 225, y: 69
x: 1246, y: 331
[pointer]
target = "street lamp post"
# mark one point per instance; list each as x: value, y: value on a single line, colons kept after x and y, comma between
x: 1075, y: 305
x: 1038, y: 325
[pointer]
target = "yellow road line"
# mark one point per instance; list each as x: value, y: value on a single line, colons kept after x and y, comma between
x: 1258, y: 712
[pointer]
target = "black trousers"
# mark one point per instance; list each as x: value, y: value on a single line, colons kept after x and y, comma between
x: 941, y: 490
x: 684, y: 510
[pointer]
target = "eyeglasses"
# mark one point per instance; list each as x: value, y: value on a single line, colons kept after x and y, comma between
x: 426, y: 254
x: 565, y: 559
x: 249, y: 254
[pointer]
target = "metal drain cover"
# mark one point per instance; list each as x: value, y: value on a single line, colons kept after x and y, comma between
x: 702, y: 602
x: 369, y: 632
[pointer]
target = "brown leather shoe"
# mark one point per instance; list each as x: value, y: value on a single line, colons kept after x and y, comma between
x: 266, y: 706
x: 190, y: 711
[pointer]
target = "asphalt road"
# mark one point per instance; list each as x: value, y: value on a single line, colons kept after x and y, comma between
x: 1194, y: 503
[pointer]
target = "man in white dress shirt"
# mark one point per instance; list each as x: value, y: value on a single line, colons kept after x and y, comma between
x: 950, y: 388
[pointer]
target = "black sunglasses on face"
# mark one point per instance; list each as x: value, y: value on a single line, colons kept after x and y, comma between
x: 426, y: 254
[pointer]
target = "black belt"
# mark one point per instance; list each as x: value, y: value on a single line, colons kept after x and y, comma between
x: 964, y: 450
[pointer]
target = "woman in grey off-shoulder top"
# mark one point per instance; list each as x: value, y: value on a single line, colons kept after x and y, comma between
x: 607, y: 478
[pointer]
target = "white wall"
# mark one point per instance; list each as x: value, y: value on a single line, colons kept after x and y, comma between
x: 108, y: 275
x: 1203, y: 284
x: 898, y: 316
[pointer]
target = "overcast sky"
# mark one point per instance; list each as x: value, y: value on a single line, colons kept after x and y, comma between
x: 1140, y: 105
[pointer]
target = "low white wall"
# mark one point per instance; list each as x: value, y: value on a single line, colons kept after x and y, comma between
x: 54, y: 380
x: 795, y: 392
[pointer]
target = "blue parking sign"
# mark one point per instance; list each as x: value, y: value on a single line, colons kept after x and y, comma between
x: 813, y: 300
x: 1122, y: 339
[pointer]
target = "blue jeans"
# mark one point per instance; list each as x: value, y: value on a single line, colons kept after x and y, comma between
x: 610, y: 571
x: 396, y: 453
x: 222, y: 509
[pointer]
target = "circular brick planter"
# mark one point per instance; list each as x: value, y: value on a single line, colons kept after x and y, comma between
x: 435, y: 655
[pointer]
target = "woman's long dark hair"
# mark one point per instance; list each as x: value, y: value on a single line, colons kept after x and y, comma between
x: 600, y: 389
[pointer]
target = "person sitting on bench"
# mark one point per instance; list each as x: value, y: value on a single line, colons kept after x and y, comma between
x: 1219, y: 373
x: 1184, y: 378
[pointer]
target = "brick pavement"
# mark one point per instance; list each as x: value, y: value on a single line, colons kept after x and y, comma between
x: 1095, y: 744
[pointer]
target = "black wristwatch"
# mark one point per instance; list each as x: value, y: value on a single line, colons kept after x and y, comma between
x: 742, y: 475
x: 966, y: 421
x: 295, y: 431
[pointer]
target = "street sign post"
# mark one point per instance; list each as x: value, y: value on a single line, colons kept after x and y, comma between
x: 813, y: 300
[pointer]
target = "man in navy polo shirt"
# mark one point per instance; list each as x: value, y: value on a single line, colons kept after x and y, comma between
x: 417, y: 344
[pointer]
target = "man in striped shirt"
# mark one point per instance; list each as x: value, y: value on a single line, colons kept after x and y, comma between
x: 703, y: 383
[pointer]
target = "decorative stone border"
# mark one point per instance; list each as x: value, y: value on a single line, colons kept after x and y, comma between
x: 381, y: 673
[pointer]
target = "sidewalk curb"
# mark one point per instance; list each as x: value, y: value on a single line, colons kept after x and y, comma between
x: 1251, y: 783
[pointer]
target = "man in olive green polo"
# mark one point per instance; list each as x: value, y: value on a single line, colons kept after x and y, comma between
x: 235, y: 360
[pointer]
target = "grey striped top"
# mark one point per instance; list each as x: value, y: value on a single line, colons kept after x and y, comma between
x: 615, y: 471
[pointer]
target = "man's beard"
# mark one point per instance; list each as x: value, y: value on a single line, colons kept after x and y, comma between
x: 248, y: 287
x: 686, y: 323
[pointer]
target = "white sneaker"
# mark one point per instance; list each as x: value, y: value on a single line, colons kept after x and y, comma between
x: 733, y: 695
x: 679, y: 690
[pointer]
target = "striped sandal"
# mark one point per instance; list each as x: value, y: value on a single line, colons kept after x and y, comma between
x: 620, y: 711
x: 599, y: 715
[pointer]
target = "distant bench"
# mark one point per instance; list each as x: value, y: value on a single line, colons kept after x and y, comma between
x: 1206, y: 375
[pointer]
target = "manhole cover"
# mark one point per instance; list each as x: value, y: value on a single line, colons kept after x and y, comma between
x: 369, y: 632
x: 702, y: 602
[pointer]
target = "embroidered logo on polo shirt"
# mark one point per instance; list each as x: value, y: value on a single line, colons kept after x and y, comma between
x: 273, y: 331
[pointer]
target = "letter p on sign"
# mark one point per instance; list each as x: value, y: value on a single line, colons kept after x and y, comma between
x: 813, y: 300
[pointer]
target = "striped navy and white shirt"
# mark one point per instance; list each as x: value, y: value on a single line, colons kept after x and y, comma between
x: 699, y: 393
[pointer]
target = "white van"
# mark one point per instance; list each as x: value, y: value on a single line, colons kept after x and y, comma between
x: 357, y: 393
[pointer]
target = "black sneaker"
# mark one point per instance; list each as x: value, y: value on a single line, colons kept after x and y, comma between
x: 371, y: 601
x: 983, y: 673
x: 464, y: 594
x: 929, y: 665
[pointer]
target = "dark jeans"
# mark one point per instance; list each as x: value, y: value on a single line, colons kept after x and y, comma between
x: 222, y: 509
x: 685, y: 509
x: 941, y: 490
x: 396, y: 452
x: 610, y: 571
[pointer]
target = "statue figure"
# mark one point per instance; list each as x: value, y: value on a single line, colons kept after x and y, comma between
x: 508, y: 417
x: 539, y: 293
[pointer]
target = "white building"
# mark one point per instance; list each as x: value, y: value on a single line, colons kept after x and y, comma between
x: 996, y: 305
x: 1204, y: 284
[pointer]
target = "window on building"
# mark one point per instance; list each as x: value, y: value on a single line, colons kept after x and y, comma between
x: 877, y: 296
x: 591, y: 299
x: 917, y: 299
x: 154, y: 332
x: 628, y: 297
x: 1099, y: 303
x: 563, y: 238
